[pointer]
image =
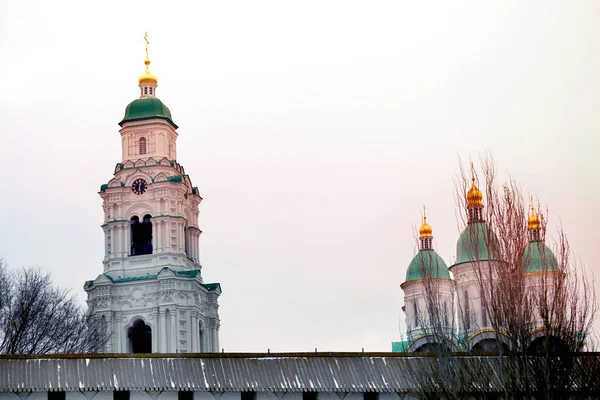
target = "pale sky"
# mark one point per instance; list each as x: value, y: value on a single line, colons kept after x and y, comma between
x: 315, y: 131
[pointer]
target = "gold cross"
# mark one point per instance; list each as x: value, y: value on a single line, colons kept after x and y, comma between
x: 147, y: 42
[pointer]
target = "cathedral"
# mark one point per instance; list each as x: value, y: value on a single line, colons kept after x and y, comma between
x: 151, y: 292
x: 152, y: 298
x: 447, y: 307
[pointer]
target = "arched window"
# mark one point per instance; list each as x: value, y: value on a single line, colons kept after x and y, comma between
x: 143, y: 145
x: 140, y: 337
x: 141, y: 235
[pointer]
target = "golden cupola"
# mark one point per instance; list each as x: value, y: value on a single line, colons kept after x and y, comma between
x: 534, y: 226
x: 147, y: 77
x: 425, y: 234
x: 474, y: 196
x: 147, y: 81
x: 533, y: 222
x: 425, y: 229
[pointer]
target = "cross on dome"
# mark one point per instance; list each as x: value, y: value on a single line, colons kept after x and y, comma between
x: 147, y: 81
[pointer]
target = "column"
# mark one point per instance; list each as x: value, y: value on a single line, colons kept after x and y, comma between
x: 179, y: 238
x: 167, y: 235
x: 154, y: 237
x: 197, y: 245
x: 208, y: 343
x: 126, y: 241
x: 106, y: 242
x: 159, y: 242
x: 117, y: 332
x: 217, y: 325
x: 182, y: 234
x: 192, y: 242
x: 213, y: 337
x: 155, y: 331
x: 193, y: 333
x: 162, y: 331
x: 174, y: 335
x: 117, y: 240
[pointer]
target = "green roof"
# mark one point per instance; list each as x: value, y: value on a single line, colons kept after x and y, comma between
x: 428, y: 263
x: 191, y: 273
x: 148, y: 108
x: 473, y: 243
x: 175, y: 179
x: 538, y: 257
x: 400, y: 347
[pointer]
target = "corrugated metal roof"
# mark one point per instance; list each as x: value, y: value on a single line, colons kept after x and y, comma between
x: 333, y: 372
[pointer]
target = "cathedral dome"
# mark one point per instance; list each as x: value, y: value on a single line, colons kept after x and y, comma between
x: 427, y: 264
x: 147, y: 108
x: 476, y: 243
x: 539, y: 258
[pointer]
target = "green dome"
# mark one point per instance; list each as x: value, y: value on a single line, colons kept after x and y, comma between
x: 428, y: 262
x: 147, y: 108
x: 473, y: 243
x: 538, y: 257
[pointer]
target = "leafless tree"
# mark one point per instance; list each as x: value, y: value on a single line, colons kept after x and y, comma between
x: 539, y: 320
x: 36, y: 317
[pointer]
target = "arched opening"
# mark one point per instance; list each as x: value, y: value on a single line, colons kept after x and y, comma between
x: 489, y: 346
x: 141, y: 235
x: 548, y: 344
x: 140, y: 337
x: 143, y: 145
x: 432, y: 347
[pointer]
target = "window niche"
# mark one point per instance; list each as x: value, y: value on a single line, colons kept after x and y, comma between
x: 143, y: 148
x: 141, y: 235
x: 140, y: 337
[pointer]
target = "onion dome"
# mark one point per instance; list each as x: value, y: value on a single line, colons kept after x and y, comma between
x: 425, y: 230
x: 538, y: 257
x: 147, y: 108
x: 427, y: 264
x: 147, y: 77
x: 474, y: 196
x: 533, y: 222
x: 477, y: 243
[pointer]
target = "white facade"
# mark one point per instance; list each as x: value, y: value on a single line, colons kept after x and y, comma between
x: 152, y: 272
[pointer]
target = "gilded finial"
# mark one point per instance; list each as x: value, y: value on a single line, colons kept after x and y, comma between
x: 533, y: 222
x: 425, y: 230
x: 474, y: 195
x: 147, y: 77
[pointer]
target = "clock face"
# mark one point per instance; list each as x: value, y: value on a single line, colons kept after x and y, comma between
x: 139, y: 186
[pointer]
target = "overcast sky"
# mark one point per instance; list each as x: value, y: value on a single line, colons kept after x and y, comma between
x: 315, y: 130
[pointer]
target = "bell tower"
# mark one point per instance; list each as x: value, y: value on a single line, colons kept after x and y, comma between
x: 151, y: 292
